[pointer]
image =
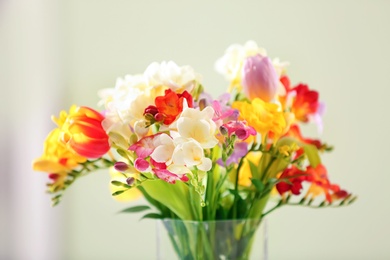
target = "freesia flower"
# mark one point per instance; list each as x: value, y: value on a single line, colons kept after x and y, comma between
x: 240, y: 129
x: 57, y: 157
x: 198, y: 125
x: 170, y: 75
x: 145, y: 146
x: 125, y: 104
x: 259, y: 78
x: 223, y: 112
x: 320, y: 184
x: 295, y: 177
x: 295, y: 132
x: 168, y: 176
x: 169, y: 106
x: 262, y: 116
x: 190, y: 153
x: 305, y: 103
x: 82, y: 131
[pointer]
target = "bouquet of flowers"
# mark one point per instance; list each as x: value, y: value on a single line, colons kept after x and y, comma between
x: 195, y: 158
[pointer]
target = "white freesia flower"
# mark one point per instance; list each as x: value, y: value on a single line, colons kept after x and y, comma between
x: 190, y: 153
x: 230, y: 64
x: 126, y: 102
x: 140, y: 128
x: 169, y: 74
x: 198, y: 125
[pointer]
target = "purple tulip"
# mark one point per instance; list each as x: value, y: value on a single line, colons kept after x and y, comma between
x: 259, y: 78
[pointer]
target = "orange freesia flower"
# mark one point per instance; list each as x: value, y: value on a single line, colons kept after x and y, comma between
x: 170, y: 105
x: 81, y: 130
x: 320, y: 184
x: 295, y: 132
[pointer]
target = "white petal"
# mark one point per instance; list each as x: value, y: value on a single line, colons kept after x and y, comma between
x: 205, y: 165
x: 162, y: 153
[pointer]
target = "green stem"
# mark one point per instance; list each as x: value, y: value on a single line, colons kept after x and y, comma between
x: 280, y: 203
x: 236, y: 189
x: 265, y: 174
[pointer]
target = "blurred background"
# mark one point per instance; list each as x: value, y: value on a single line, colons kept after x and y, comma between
x: 55, y: 53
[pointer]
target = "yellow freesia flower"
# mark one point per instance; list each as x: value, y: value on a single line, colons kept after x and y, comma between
x: 262, y: 116
x: 57, y: 160
x: 56, y: 156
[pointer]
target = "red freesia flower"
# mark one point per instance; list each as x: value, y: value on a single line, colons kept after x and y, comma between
x: 318, y: 177
x: 82, y: 130
x: 305, y: 103
x: 295, y: 177
x: 285, y: 80
x: 169, y: 106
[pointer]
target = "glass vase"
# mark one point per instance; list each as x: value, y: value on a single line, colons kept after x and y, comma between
x: 242, y: 239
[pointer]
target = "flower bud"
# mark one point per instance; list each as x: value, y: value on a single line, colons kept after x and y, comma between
x: 130, y: 181
x: 259, y: 78
x: 121, y: 166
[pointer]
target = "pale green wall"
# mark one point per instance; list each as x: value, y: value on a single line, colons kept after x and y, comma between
x: 340, y: 48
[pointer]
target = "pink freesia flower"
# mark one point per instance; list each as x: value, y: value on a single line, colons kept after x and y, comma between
x: 168, y: 176
x: 144, y: 147
x: 223, y: 113
x: 240, y: 129
x: 259, y: 78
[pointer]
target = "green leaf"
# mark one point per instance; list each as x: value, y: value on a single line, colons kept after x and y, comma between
x: 312, y: 154
x: 152, y: 216
x: 135, y: 209
x: 258, y: 184
x: 310, y: 150
x: 254, y: 170
x: 174, y: 196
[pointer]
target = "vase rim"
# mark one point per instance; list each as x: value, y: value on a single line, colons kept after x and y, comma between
x: 209, y: 221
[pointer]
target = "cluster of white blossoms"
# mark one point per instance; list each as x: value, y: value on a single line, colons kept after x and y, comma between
x: 125, y: 103
x: 172, y: 150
